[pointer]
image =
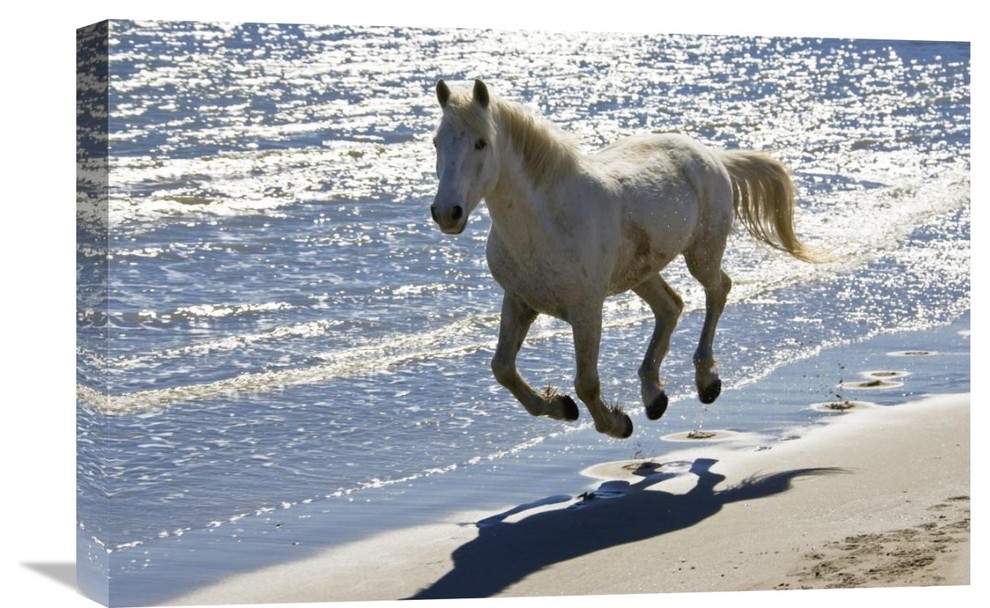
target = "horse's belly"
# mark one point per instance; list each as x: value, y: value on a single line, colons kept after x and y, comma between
x: 638, y: 270
x: 649, y: 243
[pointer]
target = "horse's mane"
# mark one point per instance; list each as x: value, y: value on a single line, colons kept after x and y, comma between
x: 547, y: 151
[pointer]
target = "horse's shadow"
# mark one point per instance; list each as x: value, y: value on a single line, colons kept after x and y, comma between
x: 617, y: 513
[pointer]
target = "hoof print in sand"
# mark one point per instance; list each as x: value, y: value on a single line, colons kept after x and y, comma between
x: 879, y: 379
x: 642, y: 468
x: 700, y: 435
x: 846, y: 405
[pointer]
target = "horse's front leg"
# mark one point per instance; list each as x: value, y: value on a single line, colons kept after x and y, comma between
x: 608, y: 419
x: 517, y: 317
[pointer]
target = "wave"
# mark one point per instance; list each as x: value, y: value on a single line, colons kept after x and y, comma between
x: 265, y: 181
x: 861, y: 225
x: 194, y: 314
x: 377, y: 356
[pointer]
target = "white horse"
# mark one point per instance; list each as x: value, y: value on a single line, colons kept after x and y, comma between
x: 570, y: 229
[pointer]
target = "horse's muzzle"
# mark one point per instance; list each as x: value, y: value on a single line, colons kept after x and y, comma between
x: 450, y: 221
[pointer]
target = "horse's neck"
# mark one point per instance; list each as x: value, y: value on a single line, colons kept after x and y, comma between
x: 528, y: 181
x: 516, y: 202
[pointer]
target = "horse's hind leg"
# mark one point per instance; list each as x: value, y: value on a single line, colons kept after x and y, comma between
x: 516, y: 319
x: 708, y: 270
x: 666, y: 306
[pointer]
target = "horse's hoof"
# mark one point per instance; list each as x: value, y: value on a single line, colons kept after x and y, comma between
x: 711, y: 392
x: 657, y: 407
x: 570, y: 408
x: 625, y: 430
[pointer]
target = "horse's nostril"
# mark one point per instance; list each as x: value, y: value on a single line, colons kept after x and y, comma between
x: 456, y: 212
x: 433, y: 212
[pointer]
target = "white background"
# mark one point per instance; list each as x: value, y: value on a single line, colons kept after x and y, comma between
x: 37, y: 491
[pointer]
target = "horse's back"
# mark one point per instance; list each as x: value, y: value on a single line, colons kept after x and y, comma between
x: 668, y: 154
x: 674, y: 192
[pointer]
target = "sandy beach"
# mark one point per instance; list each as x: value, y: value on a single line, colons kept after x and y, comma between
x: 875, y: 497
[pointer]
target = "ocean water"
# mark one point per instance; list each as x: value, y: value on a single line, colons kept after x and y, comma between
x: 286, y: 353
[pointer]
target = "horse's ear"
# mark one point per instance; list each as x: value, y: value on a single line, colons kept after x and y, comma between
x: 443, y: 93
x: 481, y: 93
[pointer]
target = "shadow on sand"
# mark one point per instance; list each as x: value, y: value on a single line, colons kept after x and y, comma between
x: 617, y: 513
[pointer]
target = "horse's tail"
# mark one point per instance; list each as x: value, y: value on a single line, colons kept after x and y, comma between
x: 763, y: 197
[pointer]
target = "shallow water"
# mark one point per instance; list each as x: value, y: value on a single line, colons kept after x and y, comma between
x: 289, y: 332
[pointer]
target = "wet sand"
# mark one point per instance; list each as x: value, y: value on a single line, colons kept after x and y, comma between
x: 876, y: 497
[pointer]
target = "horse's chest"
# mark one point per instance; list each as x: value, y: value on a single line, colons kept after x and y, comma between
x: 540, y: 277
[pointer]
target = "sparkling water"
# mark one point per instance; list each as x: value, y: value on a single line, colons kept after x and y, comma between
x: 290, y: 335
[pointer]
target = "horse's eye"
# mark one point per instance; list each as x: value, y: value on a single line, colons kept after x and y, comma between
x: 480, y: 144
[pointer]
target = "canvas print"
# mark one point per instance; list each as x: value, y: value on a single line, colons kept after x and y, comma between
x: 387, y: 313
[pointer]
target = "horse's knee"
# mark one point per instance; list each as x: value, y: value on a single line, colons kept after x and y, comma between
x: 668, y: 315
x: 503, y: 370
x: 725, y: 286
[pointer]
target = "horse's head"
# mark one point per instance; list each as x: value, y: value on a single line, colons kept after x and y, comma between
x: 467, y: 163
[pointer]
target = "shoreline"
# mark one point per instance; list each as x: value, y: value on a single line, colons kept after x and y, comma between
x: 875, y: 497
x: 555, y: 471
